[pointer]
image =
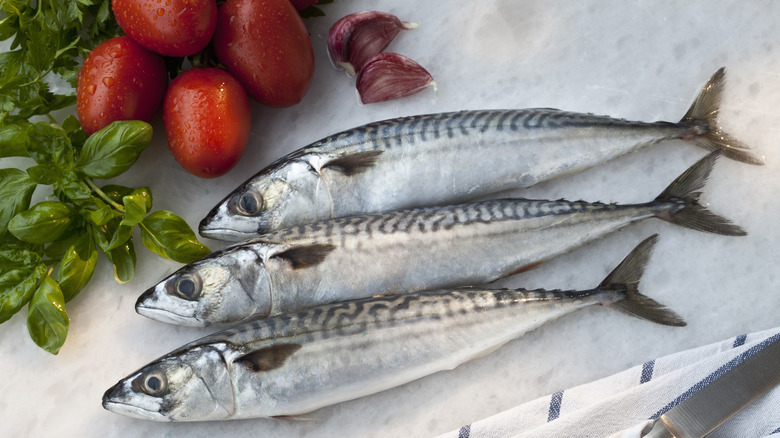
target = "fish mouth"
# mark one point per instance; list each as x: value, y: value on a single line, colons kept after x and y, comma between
x: 167, y: 316
x: 144, y: 308
x: 227, y: 234
x: 113, y: 402
x: 133, y: 411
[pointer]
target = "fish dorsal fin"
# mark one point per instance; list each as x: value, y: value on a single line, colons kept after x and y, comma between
x: 630, y: 270
x: 307, y: 255
x: 354, y: 163
x: 268, y: 358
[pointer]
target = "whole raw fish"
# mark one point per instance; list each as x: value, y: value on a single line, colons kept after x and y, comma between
x: 405, y: 251
x: 447, y: 158
x: 296, y: 363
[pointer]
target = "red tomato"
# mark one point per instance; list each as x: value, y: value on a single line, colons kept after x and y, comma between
x: 265, y: 45
x: 207, y: 121
x: 119, y: 80
x: 170, y: 27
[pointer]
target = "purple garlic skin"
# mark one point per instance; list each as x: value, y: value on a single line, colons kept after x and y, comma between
x: 389, y: 76
x: 358, y: 37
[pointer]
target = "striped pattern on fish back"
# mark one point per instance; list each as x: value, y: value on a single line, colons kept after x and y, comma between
x: 387, y: 134
x: 356, y: 316
x: 433, y: 219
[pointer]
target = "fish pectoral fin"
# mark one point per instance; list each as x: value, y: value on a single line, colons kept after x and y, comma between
x: 268, y: 358
x: 305, y: 256
x: 354, y: 163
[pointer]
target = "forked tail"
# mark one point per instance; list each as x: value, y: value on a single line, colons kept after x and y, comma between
x: 703, y: 114
x: 625, y: 278
x: 691, y: 214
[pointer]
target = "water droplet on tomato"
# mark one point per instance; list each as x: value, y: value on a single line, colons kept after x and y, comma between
x: 116, y: 54
x: 160, y: 11
x: 173, y: 22
x: 108, y: 81
x: 102, y: 115
x: 91, y: 89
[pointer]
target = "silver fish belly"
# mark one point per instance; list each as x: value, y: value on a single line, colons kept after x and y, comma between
x: 447, y: 158
x: 405, y: 251
x: 296, y: 363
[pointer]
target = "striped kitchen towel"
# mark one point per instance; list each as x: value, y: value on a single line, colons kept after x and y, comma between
x: 619, y: 406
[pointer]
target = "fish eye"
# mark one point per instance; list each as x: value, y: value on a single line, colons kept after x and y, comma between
x: 188, y: 286
x: 153, y: 382
x: 248, y: 203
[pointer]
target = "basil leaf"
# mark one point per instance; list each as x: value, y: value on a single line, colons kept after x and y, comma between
x: 121, y: 235
x: 47, y: 144
x: 16, y: 289
x: 17, y: 254
x: 74, y: 189
x: 122, y: 257
x: 144, y: 193
x: 112, y: 150
x: 169, y: 236
x: 16, y: 189
x: 135, y: 208
x: 46, y: 174
x: 77, y: 267
x: 43, y: 223
x: 13, y: 139
x: 47, y: 321
x: 116, y: 192
x: 56, y: 250
x: 101, y: 216
x: 96, y: 211
x: 72, y: 127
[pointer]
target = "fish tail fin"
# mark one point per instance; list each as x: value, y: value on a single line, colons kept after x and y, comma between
x: 691, y: 214
x: 703, y: 117
x: 625, y: 280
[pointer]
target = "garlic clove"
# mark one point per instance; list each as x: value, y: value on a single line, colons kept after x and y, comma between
x: 356, y: 38
x: 389, y: 76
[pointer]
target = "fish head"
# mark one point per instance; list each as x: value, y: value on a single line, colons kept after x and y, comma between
x: 225, y: 287
x: 267, y: 203
x: 187, y: 385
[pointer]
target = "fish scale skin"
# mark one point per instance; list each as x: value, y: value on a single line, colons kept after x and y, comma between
x: 400, y: 339
x: 387, y: 135
x: 431, y: 160
x: 433, y: 219
x: 435, y: 247
x: 322, y: 322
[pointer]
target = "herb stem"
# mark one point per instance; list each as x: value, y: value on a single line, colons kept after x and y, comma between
x: 105, y: 197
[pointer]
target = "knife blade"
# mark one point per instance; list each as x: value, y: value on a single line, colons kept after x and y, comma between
x: 708, y: 408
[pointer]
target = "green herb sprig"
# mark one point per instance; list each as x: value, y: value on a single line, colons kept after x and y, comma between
x: 66, y: 232
x: 49, y: 40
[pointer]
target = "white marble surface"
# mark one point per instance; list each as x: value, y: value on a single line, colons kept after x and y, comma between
x: 640, y: 60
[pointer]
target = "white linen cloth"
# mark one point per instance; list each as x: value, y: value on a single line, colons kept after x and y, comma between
x: 622, y: 404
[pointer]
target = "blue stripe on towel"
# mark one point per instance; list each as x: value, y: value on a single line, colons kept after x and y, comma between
x: 717, y: 373
x: 740, y: 341
x: 775, y: 431
x: 647, y: 372
x: 555, y: 406
x: 465, y: 431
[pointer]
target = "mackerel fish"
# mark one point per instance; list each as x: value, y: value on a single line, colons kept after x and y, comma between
x: 405, y: 251
x: 447, y: 158
x: 296, y: 363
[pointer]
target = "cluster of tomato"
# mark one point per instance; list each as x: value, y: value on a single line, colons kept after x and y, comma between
x: 263, y: 43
